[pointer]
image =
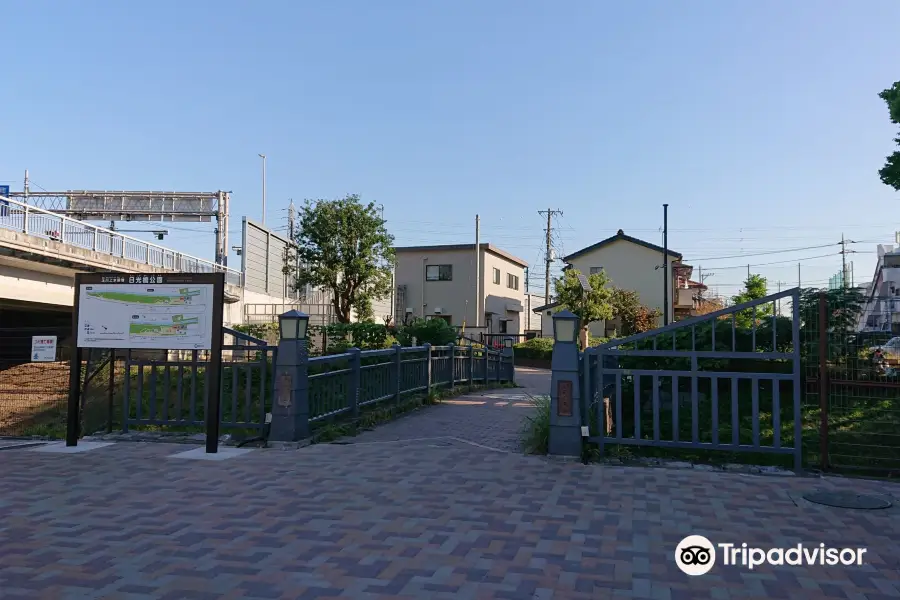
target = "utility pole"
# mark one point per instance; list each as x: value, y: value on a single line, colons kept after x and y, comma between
x: 263, y: 157
x: 799, y: 285
x: 549, y: 256
x: 703, y: 277
x: 778, y: 308
x: 25, y: 186
x: 845, y: 272
x: 292, y: 213
x: 478, y: 271
x: 843, y: 262
x: 527, y: 303
x: 667, y: 283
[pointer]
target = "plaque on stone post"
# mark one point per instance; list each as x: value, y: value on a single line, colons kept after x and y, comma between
x: 564, y: 394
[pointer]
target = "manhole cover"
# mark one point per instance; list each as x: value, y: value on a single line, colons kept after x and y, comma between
x: 848, y: 500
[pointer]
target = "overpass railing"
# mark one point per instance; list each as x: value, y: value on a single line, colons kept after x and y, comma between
x: 18, y: 216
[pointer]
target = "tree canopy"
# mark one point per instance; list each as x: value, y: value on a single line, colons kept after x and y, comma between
x: 634, y: 316
x: 755, y: 287
x: 589, y: 306
x: 890, y: 173
x: 344, y: 247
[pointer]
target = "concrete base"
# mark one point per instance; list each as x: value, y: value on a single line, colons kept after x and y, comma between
x: 13, y: 444
x: 224, y: 453
x: 565, y: 440
x: 61, y: 448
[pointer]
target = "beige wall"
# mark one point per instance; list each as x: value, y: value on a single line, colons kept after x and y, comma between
x: 629, y: 266
x: 497, y: 298
x: 457, y: 298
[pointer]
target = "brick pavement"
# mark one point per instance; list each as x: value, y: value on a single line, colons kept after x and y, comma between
x: 435, y: 519
x: 491, y: 418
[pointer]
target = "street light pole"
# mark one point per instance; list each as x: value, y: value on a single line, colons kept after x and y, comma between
x: 263, y: 157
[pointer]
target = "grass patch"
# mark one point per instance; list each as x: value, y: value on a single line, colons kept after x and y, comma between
x: 535, y: 433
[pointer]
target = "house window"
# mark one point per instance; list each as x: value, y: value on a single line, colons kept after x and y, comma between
x: 497, y: 276
x: 503, y: 326
x: 595, y: 270
x: 439, y: 273
x: 512, y: 281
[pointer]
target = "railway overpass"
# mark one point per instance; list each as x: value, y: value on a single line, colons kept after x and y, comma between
x: 41, y: 250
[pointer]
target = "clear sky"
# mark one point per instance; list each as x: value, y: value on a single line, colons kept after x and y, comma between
x: 757, y: 121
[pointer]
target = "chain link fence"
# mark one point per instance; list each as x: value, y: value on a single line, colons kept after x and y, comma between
x: 851, y: 384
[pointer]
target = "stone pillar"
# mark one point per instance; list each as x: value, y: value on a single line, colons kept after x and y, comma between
x: 565, y: 394
x: 290, y: 409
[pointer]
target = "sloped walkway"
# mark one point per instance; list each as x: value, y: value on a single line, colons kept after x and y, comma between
x: 491, y: 418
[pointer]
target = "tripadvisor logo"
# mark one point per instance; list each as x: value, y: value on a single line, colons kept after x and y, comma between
x: 696, y: 555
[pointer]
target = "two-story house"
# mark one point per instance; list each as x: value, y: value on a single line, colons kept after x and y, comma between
x: 456, y: 283
x: 633, y: 264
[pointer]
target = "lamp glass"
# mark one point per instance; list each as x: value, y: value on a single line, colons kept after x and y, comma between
x: 564, y: 330
x: 290, y: 328
x: 302, y: 324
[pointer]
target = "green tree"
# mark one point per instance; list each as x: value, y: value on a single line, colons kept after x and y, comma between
x: 890, y: 173
x: 344, y: 247
x: 591, y: 306
x: 755, y: 287
x: 634, y: 316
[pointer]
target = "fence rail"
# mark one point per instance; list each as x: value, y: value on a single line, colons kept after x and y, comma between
x: 341, y: 384
x: 174, y: 393
x: 18, y: 216
x: 726, y: 381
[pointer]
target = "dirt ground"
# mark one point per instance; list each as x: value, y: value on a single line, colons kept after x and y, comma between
x: 32, y: 394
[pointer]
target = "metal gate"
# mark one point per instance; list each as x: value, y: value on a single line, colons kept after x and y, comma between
x: 726, y: 381
x: 170, y: 388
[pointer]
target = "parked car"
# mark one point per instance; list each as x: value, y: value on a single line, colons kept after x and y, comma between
x: 890, y: 350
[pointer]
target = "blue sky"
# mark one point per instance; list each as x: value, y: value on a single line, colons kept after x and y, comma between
x: 758, y: 122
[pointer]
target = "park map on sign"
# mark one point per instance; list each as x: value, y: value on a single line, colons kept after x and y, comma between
x: 145, y: 316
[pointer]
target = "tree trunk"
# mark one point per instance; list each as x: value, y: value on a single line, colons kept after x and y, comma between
x: 583, y: 337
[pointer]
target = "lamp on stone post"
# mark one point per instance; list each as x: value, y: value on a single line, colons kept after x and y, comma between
x: 290, y: 410
x: 508, y: 359
x: 565, y: 411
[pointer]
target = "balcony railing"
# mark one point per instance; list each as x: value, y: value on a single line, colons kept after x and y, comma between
x: 16, y: 216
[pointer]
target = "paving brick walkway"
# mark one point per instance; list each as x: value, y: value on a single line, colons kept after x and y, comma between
x: 492, y: 418
x: 433, y: 519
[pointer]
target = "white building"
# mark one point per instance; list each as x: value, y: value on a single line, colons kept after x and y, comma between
x: 881, y: 307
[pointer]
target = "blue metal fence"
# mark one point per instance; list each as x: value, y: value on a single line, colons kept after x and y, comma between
x: 341, y: 384
x: 738, y: 385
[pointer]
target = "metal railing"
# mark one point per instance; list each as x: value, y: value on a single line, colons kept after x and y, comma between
x: 17, y: 216
x: 341, y: 384
x: 735, y: 372
x: 175, y: 393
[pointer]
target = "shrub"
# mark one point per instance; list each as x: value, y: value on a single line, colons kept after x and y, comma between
x: 535, y: 434
x: 436, y: 332
x: 365, y: 336
x: 539, y: 348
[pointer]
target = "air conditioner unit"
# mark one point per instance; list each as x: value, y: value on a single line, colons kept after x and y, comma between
x: 409, y: 311
x: 438, y: 310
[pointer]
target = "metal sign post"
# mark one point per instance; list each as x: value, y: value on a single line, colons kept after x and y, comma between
x: 152, y: 311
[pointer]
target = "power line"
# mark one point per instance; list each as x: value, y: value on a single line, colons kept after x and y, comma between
x: 792, y: 261
x: 768, y: 252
